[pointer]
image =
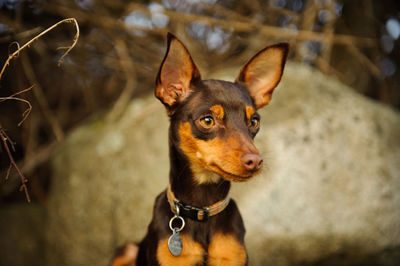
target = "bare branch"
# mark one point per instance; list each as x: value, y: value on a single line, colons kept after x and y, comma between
x: 69, y: 48
x: 23, y: 179
x: 26, y: 112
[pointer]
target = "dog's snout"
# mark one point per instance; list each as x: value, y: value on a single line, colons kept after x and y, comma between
x: 252, y: 162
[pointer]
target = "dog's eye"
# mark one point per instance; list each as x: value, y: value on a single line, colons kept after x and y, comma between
x: 255, y: 122
x: 207, y: 121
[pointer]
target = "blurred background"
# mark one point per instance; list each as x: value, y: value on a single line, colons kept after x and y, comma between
x: 121, y: 44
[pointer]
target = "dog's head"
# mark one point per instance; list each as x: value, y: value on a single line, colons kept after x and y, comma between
x: 214, y: 122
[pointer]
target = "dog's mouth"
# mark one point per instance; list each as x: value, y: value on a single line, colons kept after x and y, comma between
x: 231, y: 176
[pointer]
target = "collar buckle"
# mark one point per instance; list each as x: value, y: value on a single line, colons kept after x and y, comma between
x: 194, y: 213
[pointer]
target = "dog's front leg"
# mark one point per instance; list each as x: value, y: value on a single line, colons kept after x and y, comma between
x: 192, y: 253
x: 226, y: 249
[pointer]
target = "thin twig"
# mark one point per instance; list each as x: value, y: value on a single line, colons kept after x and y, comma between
x: 69, y: 48
x: 20, y: 92
x: 29, y: 165
x: 12, y: 143
x: 26, y: 112
x: 8, y: 172
x: 23, y: 179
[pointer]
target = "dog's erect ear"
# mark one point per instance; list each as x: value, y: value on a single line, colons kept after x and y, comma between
x: 263, y: 72
x: 176, y: 73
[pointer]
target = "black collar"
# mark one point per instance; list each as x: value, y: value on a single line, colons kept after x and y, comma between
x: 195, y: 213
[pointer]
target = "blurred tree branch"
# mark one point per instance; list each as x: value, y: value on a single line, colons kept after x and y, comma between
x: 121, y: 46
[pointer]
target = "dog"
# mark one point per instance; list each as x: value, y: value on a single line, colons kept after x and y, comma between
x: 212, y: 127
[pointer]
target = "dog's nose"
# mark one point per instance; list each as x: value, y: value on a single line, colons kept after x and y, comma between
x: 252, y: 162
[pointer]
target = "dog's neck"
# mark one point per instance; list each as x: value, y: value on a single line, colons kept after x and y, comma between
x: 187, y: 188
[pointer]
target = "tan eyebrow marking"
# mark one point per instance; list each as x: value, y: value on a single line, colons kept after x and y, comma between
x: 218, y: 111
x: 249, y: 112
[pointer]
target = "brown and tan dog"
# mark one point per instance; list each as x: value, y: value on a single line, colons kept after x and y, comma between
x: 213, y: 124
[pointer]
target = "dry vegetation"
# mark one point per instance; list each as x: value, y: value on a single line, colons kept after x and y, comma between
x: 120, y: 47
x: 3, y: 135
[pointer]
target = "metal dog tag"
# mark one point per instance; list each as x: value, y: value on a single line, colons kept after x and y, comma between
x: 175, y: 243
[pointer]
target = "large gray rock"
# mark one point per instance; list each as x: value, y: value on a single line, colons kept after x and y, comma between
x: 329, y: 192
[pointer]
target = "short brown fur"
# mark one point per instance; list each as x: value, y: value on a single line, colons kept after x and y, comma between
x: 211, y: 155
x: 226, y: 250
x: 192, y: 253
x: 213, y: 124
